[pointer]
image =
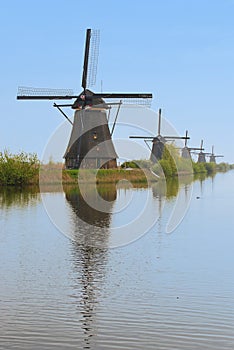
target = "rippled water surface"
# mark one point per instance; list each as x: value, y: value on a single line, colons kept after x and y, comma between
x: 86, y: 288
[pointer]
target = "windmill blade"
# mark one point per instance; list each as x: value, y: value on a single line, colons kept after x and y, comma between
x: 142, y: 137
x: 165, y: 137
x: 123, y: 95
x: 177, y: 137
x: 186, y: 135
x: 201, y: 145
x: 146, y: 102
x: 159, y: 120
x: 93, y: 57
x: 86, y: 59
x: 30, y: 93
x: 143, y: 99
x: 195, y: 149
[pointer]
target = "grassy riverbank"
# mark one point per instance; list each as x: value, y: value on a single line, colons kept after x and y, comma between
x: 25, y: 169
x: 54, y: 175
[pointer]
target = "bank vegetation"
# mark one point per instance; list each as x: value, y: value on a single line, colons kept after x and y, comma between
x: 23, y: 169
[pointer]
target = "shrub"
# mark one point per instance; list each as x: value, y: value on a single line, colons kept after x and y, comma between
x: 166, y: 167
x: 210, y: 168
x: 139, y: 163
x: 199, y: 168
x: 18, y: 169
x: 132, y: 164
x: 169, y: 160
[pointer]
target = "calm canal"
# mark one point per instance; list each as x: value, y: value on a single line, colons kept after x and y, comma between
x: 125, y: 277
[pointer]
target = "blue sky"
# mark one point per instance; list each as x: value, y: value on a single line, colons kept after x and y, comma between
x: 182, y: 51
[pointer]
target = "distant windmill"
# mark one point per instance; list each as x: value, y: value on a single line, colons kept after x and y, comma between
x: 202, y: 155
x: 87, y: 147
x: 213, y: 156
x: 186, y: 151
x: 158, y: 141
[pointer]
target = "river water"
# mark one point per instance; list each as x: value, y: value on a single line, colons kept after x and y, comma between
x: 126, y: 277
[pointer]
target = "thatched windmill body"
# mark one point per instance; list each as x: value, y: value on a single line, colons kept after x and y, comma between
x: 159, y: 141
x: 90, y: 144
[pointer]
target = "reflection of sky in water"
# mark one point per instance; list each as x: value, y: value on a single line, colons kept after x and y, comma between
x: 165, y: 291
x: 127, y: 215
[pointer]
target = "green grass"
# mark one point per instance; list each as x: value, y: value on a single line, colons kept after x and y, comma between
x: 24, y: 169
x: 110, y: 175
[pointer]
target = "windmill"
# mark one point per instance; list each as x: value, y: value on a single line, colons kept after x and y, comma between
x: 158, y: 141
x: 213, y: 156
x: 186, y: 151
x: 201, y: 155
x: 90, y: 144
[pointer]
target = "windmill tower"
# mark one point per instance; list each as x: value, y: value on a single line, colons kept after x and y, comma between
x: 213, y: 156
x: 186, y: 151
x: 90, y: 144
x: 201, y: 155
x: 158, y: 141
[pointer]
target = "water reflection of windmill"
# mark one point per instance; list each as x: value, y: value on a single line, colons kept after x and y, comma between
x: 186, y: 151
x: 214, y: 156
x: 158, y: 141
x: 87, y: 147
x: 163, y: 192
x: 92, y: 206
x: 89, y: 252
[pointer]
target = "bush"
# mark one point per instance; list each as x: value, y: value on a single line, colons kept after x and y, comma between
x: 210, y: 168
x: 166, y: 167
x: 132, y: 164
x: 169, y: 160
x: 18, y: 169
x: 199, y: 168
x: 141, y: 163
x: 185, y: 165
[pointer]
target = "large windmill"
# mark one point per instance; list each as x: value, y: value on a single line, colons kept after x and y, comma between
x: 213, y: 156
x: 158, y: 141
x: 90, y: 144
x: 186, y: 151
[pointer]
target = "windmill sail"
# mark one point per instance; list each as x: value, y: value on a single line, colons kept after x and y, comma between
x: 93, y: 58
x: 31, y: 93
x: 90, y: 143
x: 86, y: 59
x: 159, y: 141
